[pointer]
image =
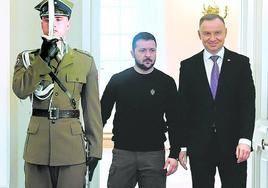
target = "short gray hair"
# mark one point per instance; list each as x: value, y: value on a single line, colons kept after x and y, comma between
x: 210, y: 17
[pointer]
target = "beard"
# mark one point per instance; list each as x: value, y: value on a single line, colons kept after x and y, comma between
x: 142, y: 66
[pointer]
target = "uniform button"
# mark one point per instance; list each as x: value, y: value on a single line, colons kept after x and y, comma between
x: 77, y: 79
x: 56, y: 94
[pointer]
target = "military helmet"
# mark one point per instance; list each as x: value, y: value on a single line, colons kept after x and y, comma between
x: 62, y: 8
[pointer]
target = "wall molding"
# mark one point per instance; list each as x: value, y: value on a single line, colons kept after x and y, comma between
x: 5, y: 96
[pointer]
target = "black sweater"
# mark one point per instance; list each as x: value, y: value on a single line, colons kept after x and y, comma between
x: 145, y: 109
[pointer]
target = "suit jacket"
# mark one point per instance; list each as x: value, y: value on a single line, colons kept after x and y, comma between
x: 232, y: 111
x: 61, y: 143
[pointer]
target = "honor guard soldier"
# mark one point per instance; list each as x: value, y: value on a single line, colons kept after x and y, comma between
x: 56, y: 78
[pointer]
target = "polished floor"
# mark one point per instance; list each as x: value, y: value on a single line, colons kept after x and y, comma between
x: 180, y: 179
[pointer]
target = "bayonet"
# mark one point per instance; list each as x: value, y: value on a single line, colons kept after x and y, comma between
x: 51, y: 14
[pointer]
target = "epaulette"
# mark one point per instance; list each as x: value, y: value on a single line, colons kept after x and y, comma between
x: 26, y: 58
x: 83, y: 52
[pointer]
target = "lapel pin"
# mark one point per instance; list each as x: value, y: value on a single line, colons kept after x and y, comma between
x: 152, y: 91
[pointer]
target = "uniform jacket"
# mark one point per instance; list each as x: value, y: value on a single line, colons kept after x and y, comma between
x: 61, y: 143
x: 232, y: 111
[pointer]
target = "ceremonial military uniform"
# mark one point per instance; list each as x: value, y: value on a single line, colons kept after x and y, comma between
x: 55, y: 137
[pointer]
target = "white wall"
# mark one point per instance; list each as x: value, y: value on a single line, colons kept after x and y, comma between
x: 4, y: 94
x: 254, y: 43
x: 264, y: 60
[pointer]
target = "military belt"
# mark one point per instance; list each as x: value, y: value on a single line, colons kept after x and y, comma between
x: 56, y: 113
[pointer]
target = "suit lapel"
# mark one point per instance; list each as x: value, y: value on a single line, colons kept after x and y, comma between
x: 201, y: 74
x: 225, y: 70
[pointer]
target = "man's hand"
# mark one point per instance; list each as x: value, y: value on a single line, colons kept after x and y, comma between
x: 91, y: 163
x: 183, y: 159
x: 242, y: 152
x: 171, y: 166
x: 49, y: 49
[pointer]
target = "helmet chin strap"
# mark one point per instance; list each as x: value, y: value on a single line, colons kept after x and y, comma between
x: 51, y: 14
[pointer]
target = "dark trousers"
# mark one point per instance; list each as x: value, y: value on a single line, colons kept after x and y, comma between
x: 203, y: 169
x: 42, y: 176
x: 145, y: 168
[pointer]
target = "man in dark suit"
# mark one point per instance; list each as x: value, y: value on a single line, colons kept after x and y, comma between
x: 217, y: 106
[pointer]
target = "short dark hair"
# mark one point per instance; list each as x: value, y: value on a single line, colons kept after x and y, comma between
x: 210, y: 17
x: 143, y: 36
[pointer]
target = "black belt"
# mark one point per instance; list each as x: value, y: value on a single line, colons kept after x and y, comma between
x: 55, y: 113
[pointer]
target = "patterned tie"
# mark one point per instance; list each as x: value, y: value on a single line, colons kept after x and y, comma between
x: 214, y: 76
